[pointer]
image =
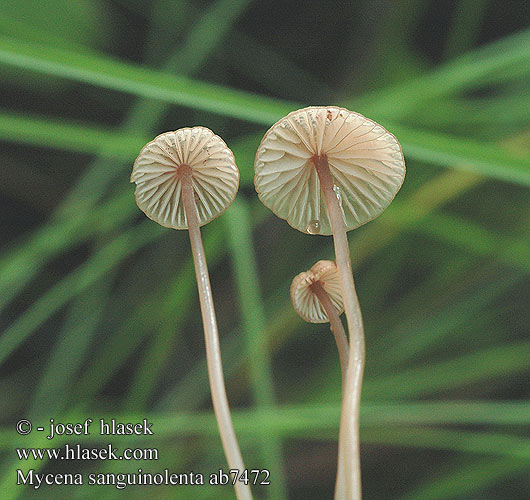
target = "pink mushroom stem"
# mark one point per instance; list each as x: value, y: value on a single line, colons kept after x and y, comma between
x: 335, y: 325
x: 213, y: 350
x: 348, y: 485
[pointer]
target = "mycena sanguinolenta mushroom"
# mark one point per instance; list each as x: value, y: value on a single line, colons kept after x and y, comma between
x: 317, y: 298
x: 327, y: 170
x: 184, y: 179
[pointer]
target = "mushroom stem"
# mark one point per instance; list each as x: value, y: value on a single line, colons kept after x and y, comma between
x: 335, y: 325
x: 349, y: 464
x: 213, y: 350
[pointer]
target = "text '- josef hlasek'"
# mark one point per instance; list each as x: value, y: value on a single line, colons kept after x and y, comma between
x: 106, y: 428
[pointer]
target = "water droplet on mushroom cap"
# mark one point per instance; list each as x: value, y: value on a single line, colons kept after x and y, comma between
x: 313, y: 227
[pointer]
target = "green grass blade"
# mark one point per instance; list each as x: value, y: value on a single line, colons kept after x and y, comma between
x: 464, y: 154
x: 76, y: 137
x: 447, y: 413
x: 20, y: 264
x: 239, y: 225
x: 96, y: 266
x: 465, y: 28
x: 467, y: 477
x: 495, y: 61
x: 71, y: 347
x: 482, y: 443
x: 482, y: 365
x: 477, y: 240
x: 109, y: 73
x: 417, y: 335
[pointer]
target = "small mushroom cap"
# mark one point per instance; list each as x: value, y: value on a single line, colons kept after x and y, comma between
x: 365, y: 161
x: 305, y: 301
x: 215, y: 177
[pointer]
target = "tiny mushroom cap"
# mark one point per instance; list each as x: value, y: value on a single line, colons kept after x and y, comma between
x: 215, y: 177
x: 365, y: 160
x: 304, y: 299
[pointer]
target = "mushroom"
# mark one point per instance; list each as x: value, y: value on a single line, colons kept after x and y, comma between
x: 317, y: 298
x: 327, y: 170
x: 184, y: 179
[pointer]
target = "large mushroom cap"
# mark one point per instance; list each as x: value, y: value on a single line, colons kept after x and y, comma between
x: 215, y: 176
x: 365, y: 161
x: 305, y: 301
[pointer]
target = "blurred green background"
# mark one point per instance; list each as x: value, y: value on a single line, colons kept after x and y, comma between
x: 100, y: 316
